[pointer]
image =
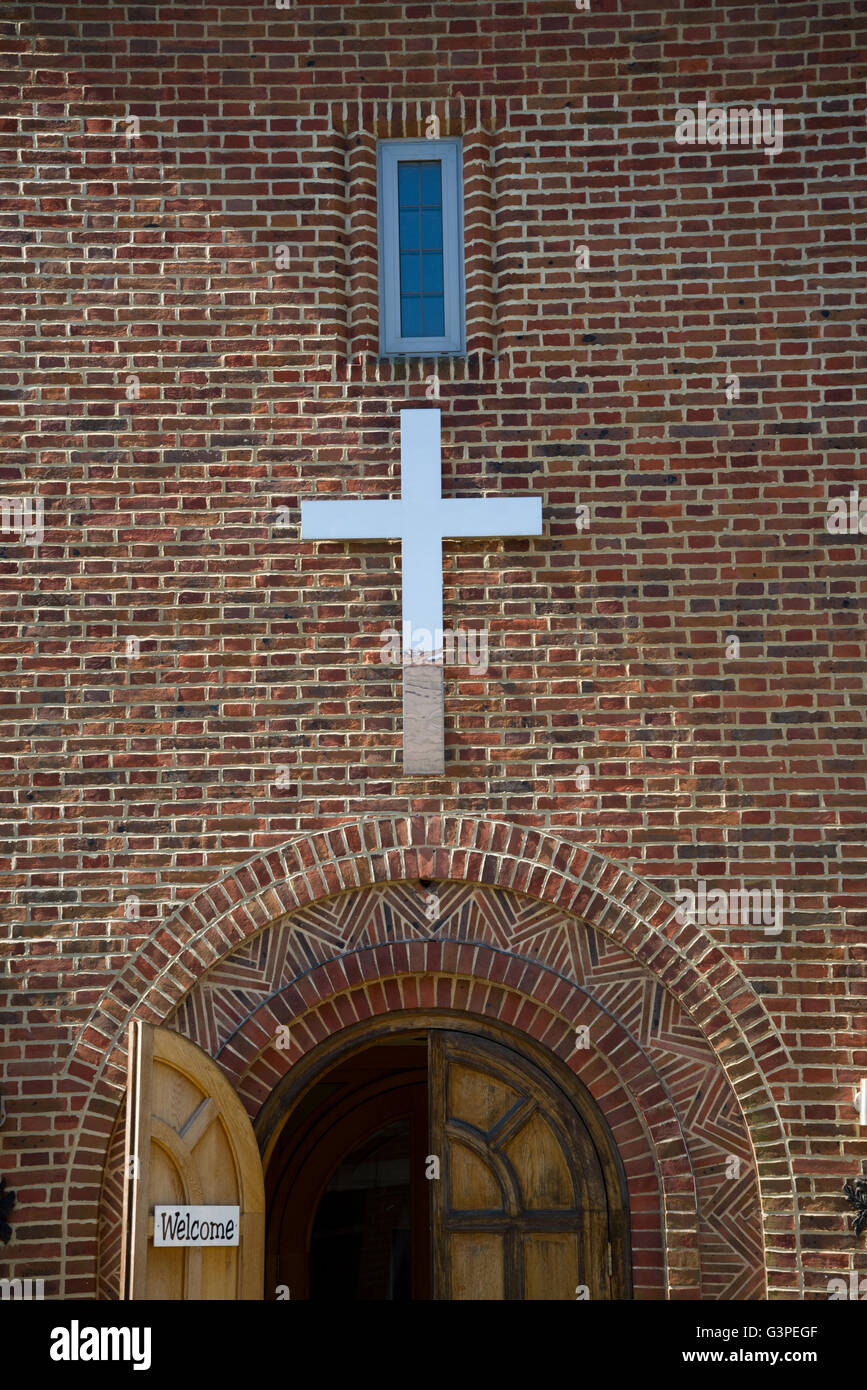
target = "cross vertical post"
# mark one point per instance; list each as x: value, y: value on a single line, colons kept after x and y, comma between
x: 421, y: 519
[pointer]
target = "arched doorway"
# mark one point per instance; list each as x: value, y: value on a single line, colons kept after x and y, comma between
x: 572, y: 992
x: 532, y: 931
x: 440, y: 1158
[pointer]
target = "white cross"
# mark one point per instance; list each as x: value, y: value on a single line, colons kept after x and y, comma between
x: 421, y: 520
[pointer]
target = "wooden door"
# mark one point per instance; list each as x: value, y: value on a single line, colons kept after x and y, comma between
x: 520, y: 1210
x: 188, y: 1141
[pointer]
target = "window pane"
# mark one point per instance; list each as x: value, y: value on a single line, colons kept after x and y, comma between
x: 410, y: 273
x: 407, y: 185
x: 431, y: 231
x: 434, y: 322
x: 433, y: 272
x: 431, y: 184
x: 410, y: 316
x: 409, y: 230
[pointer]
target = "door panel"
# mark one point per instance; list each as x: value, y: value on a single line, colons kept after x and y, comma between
x: 476, y: 1265
x: 521, y: 1209
x: 550, y: 1265
x: 191, y: 1143
x: 536, y: 1156
x: 473, y: 1185
x: 479, y: 1098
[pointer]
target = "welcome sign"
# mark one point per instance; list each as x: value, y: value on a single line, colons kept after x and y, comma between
x: 197, y: 1225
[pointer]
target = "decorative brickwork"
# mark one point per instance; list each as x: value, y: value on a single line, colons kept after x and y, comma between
x: 674, y: 1117
x: 331, y: 969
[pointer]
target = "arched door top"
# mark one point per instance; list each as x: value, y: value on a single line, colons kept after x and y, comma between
x: 526, y: 1198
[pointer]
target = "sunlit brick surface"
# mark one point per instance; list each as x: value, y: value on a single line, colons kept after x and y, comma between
x: 195, y: 714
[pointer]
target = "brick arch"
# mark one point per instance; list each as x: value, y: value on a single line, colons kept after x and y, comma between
x: 534, y: 863
x: 366, y: 955
x: 503, y: 957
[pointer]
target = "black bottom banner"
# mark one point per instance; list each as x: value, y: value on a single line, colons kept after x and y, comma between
x: 58, y: 1341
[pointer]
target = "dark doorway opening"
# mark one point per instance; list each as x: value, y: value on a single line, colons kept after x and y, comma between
x: 351, y: 1200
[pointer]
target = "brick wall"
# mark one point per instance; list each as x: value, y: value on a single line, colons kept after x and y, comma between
x: 188, y: 275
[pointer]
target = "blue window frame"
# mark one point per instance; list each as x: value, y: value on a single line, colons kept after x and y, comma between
x: 421, y: 247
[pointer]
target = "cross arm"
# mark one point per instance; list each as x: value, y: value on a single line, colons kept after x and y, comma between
x: 351, y: 521
x: 491, y: 516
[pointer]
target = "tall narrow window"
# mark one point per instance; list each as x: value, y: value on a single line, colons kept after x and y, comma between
x: 421, y: 292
